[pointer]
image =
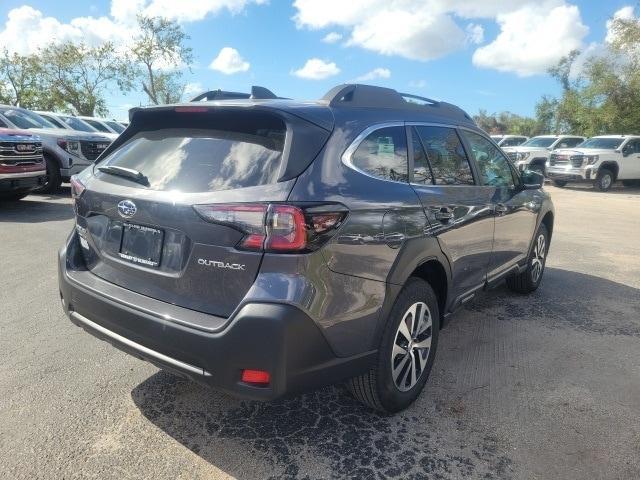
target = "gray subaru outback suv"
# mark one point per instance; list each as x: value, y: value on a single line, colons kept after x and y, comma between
x: 265, y: 246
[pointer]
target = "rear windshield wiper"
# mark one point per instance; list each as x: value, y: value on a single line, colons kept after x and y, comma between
x: 129, y: 173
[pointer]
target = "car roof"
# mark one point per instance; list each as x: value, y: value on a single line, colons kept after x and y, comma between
x: 375, y: 104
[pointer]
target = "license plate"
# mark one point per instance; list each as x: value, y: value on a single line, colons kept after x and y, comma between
x: 141, y: 245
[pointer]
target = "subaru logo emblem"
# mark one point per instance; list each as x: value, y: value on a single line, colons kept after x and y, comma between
x: 127, y: 209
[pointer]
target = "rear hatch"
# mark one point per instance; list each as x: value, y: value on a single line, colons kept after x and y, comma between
x: 143, y: 233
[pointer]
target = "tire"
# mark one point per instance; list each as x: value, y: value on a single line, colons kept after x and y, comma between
x: 529, y: 280
x: 604, y: 180
x: 379, y: 388
x: 13, y: 196
x: 53, y: 179
x: 559, y: 183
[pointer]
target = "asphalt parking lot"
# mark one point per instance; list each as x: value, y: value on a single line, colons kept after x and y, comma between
x: 544, y: 386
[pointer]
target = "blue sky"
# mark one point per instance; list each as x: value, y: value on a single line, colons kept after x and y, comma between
x: 275, y: 39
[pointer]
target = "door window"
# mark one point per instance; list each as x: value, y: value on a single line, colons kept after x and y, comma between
x: 493, y: 166
x: 383, y: 154
x: 446, y: 156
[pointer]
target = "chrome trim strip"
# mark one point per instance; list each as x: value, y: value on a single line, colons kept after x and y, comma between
x: 39, y: 173
x: 140, y: 348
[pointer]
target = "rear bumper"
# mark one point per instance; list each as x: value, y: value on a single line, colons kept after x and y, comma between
x: 278, y: 338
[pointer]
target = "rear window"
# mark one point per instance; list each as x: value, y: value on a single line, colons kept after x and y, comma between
x: 205, y: 160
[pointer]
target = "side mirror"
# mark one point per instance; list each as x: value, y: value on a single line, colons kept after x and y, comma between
x: 532, y: 180
x: 626, y: 152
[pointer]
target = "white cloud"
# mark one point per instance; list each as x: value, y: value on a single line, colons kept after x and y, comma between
x: 229, y: 62
x: 475, y: 33
x: 418, y: 83
x: 332, y: 37
x: 417, y: 36
x: 533, y: 38
x: 27, y: 29
x: 316, y: 69
x: 414, y: 29
x: 193, y: 10
x: 374, y: 74
x: 193, y: 88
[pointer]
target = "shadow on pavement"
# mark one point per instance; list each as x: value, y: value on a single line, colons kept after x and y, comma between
x: 37, y: 208
x: 328, y: 434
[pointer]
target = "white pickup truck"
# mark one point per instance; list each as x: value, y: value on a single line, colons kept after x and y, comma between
x: 534, y: 153
x: 509, y: 140
x: 601, y: 160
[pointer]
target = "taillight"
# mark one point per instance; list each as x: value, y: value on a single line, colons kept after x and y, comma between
x: 77, y: 187
x: 276, y: 227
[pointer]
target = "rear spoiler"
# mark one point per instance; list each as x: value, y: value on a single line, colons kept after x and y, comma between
x: 257, y: 93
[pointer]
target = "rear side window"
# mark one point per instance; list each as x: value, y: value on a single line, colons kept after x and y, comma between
x: 205, y: 160
x: 446, y: 156
x: 383, y: 154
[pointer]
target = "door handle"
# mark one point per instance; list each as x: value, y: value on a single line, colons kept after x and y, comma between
x: 501, y: 209
x: 444, y: 214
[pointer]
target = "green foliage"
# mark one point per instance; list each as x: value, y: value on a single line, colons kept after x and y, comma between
x: 604, y: 97
x: 21, y: 81
x: 77, y: 75
x: 160, y: 53
x: 507, y: 123
x: 601, y: 98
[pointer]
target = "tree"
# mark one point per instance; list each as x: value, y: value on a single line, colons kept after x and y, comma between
x: 77, y: 76
x: 21, y: 81
x: 604, y: 96
x: 160, y: 51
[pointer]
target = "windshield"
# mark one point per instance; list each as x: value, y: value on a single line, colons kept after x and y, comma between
x: 76, y: 124
x: 25, y: 119
x: 603, y: 143
x: 542, y: 142
x: 115, y: 126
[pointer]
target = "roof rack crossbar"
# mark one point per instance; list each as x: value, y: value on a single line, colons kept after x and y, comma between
x: 257, y: 92
x: 357, y: 95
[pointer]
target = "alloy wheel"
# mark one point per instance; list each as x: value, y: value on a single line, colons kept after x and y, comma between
x: 537, y: 262
x: 411, y: 346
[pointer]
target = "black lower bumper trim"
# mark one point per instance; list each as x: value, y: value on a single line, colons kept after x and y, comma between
x: 277, y: 338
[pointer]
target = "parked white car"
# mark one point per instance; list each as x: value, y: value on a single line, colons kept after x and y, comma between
x: 71, y: 122
x: 103, y: 125
x: 601, y: 160
x: 509, y: 140
x: 535, y: 152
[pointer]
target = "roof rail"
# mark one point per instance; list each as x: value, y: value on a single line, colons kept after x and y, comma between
x: 257, y: 92
x: 357, y: 95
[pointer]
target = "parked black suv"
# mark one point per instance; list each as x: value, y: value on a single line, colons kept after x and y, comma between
x: 265, y: 246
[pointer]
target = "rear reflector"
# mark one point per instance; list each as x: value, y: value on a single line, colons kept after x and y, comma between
x: 259, y: 377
